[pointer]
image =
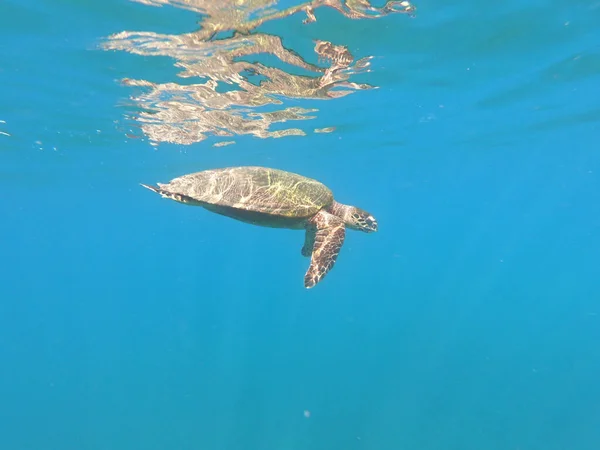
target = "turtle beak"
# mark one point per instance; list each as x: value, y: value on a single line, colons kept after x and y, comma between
x: 370, y: 224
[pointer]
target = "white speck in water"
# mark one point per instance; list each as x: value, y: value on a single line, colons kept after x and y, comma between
x: 306, y: 413
x: 428, y: 118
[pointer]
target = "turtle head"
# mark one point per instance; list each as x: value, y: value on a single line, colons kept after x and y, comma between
x: 361, y: 220
x: 355, y: 218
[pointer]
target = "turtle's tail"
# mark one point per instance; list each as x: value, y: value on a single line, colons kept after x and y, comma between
x: 152, y: 188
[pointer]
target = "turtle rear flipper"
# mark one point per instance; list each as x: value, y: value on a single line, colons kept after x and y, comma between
x: 152, y: 188
x: 171, y: 195
x: 328, y: 240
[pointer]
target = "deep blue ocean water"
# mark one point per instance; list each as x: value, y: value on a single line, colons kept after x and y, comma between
x: 470, y: 321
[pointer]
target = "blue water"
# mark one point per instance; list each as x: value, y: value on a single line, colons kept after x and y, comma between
x: 471, y: 320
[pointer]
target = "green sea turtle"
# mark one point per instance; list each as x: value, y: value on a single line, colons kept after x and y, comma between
x: 275, y: 198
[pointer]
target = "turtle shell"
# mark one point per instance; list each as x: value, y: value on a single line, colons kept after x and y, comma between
x: 255, y: 189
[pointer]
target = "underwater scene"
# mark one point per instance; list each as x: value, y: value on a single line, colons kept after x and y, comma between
x: 299, y: 225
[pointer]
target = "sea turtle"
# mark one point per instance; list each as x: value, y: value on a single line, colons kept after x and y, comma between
x: 275, y: 198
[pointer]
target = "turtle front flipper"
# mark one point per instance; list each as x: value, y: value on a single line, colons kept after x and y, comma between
x: 328, y: 240
x: 309, y: 240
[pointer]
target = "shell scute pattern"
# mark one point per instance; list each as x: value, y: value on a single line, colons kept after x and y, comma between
x: 257, y: 189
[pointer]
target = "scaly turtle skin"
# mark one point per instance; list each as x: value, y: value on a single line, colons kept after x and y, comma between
x: 275, y: 198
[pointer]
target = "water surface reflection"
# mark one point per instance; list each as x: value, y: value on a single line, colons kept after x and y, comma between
x: 231, y: 95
